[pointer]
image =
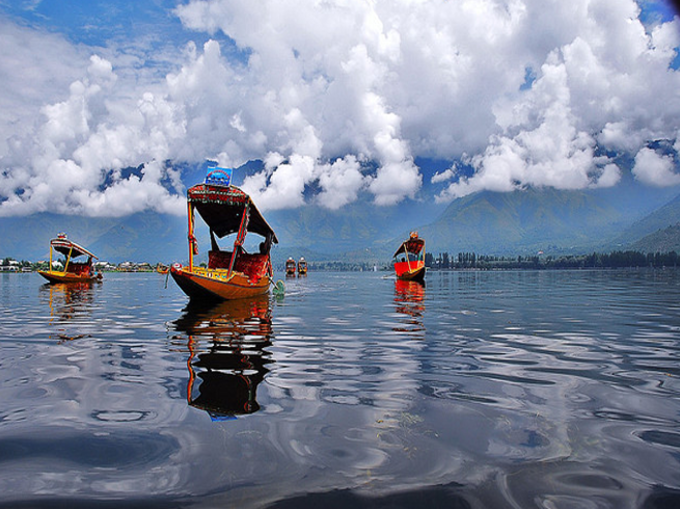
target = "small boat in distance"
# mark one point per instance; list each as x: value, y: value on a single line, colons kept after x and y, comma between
x: 234, y: 274
x: 302, y: 267
x: 409, y: 260
x: 162, y: 269
x: 73, y: 272
x: 290, y: 266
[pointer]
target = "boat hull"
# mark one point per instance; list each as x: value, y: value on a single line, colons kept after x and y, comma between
x: 215, y: 284
x: 415, y: 273
x: 66, y: 277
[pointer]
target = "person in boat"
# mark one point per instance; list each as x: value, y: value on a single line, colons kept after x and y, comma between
x: 266, y: 245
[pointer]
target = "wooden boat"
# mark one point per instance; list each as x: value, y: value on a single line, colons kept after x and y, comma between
x: 302, y: 267
x: 162, y: 269
x: 409, y: 259
x: 290, y: 267
x: 73, y: 272
x: 234, y: 274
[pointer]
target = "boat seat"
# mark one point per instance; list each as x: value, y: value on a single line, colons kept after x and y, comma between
x: 219, y: 259
x: 252, y: 265
x: 79, y: 268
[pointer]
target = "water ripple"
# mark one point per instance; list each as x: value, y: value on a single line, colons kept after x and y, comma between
x: 491, y: 389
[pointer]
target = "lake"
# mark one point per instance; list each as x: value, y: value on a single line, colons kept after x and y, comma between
x: 517, y: 389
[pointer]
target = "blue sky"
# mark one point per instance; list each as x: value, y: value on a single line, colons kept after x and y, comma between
x: 338, y: 97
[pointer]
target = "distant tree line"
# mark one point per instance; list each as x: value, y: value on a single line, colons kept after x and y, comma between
x: 6, y: 262
x: 614, y: 259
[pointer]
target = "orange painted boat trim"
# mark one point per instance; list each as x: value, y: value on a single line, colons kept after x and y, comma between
x: 204, y: 283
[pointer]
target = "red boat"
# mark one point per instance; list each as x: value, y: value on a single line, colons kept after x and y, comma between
x: 234, y: 274
x: 409, y: 260
x: 290, y: 267
x: 73, y: 272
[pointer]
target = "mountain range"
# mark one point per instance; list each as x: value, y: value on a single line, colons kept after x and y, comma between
x: 628, y: 216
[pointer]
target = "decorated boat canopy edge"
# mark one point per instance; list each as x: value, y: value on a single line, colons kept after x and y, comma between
x: 222, y: 209
x: 64, y: 246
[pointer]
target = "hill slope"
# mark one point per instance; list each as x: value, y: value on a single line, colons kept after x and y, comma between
x: 141, y: 237
x: 530, y: 220
x: 662, y: 241
x: 665, y: 216
x: 486, y: 223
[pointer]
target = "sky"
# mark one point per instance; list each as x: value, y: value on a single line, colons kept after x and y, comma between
x: 339, y: 98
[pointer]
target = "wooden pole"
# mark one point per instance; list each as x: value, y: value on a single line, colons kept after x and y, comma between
x: 190, y: 215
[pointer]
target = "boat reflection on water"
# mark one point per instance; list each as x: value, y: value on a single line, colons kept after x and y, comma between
x: 227, y: 354
x: 409, y: 297
x: 69, y: 304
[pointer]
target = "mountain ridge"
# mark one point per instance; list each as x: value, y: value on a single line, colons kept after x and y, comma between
x: 519, y: 222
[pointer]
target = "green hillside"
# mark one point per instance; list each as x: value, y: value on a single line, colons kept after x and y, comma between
x: 141, y: 237
x: 661, y: 241
x: 521, y: 221
x: 660, y: 219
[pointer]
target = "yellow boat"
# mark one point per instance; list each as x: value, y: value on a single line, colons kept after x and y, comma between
x: 302, y: 267
x: 73, y: 272
x: 234, y: 274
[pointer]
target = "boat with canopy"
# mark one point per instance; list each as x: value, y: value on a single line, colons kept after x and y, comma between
x: 409, y: 259
x: 290, y: 266
x: 302, y: 267
x: 234, y: 274
x: 73, y: 271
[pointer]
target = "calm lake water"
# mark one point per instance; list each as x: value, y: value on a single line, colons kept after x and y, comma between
x: 518, y: 390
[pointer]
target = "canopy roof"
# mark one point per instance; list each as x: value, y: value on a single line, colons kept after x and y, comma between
x: 222, y: 208
x: 64, y: 246
x: 413, y: 245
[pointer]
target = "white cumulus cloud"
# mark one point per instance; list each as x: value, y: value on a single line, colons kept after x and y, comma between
x: 523, y: 92
x: 655, y: 169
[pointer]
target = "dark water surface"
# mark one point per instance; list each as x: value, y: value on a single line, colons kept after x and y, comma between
x: 549, y: 390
